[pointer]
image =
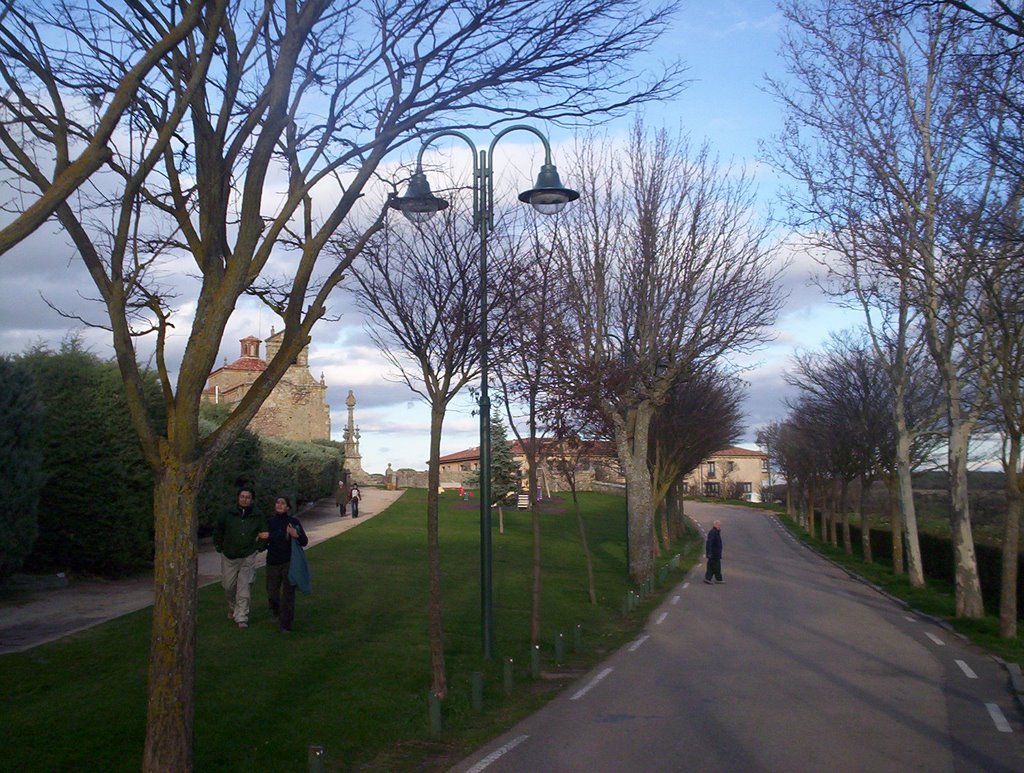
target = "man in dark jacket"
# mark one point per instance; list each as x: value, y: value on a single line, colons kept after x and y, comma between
x: 713, y: 552
x: 238, y: 536
x: 283, y: 527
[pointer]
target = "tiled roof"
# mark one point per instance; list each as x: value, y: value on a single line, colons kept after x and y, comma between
x: 246, y: 363
x: 737, y: 451
x: 461, y: 456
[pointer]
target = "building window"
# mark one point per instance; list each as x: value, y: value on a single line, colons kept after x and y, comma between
x: 712, y: 489
x: 764, y: 465
x: 746, y: 488
x: 711, y: 469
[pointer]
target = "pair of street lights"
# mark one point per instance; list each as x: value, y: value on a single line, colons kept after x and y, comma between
x: 548, y: 197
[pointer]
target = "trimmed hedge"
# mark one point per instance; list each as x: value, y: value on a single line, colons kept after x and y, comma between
x: 21, y: 456
x: 94, y: 489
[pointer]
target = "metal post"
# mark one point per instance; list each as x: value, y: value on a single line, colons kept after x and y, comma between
x: 486, y: 608
x: 478, y: 691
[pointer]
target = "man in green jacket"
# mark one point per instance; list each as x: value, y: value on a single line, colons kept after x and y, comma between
x: 239, y: 535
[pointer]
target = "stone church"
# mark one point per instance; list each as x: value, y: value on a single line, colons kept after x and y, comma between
x: 297, y: 409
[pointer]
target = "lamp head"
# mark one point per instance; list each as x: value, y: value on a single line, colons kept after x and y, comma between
x: 418, y: 204
x: 548, y: 196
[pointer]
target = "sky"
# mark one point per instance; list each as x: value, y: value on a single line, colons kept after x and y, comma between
x: 727, y: 46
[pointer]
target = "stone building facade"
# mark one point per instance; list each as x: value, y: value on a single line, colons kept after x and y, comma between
x: 296, y: 409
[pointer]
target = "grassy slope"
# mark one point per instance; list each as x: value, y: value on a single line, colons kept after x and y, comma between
x: 354, y: 674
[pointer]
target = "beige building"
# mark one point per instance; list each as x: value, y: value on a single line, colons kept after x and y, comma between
x: 596, y: 463
x: 732, y: 473
x: 296, y: 409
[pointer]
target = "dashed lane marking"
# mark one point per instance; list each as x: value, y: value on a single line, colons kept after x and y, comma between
x: 636, y: 645
x: 910, y: 618
x: 935, y: 638
x: 661, y: 618
x: 675, y: 599
x: 997, y: 717
x: 495, y: 755
x: 591, y: 685
x: 968, y: 671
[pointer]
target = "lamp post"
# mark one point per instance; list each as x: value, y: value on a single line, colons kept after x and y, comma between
x: 548, y: 197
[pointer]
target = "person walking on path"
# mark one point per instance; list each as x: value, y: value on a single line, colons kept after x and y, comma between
x: 283, y: 527
x: 354, y: 496
x: 713, y: 552
x: 238, y: 536
x: 341, y: 497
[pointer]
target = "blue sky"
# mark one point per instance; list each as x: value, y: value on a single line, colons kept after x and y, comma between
x: 728, y: 46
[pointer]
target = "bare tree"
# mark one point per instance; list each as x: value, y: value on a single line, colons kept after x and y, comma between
x: 413, y: 285
x: 1002, y: 315
x: 51, y: 95
x: 893, y: 186
x: 667, y: 273
x: 700, y: 415
x: 575, y: 450
x: 246, y: 173
x: 526, y: 349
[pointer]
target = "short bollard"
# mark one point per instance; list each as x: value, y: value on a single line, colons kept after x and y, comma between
x: 559, y: 648
x: 508, y: 676
x: 434, y: 705
x: 535, y: 661
x: 478, y: 690
x: 315, y: 756
x: 577, y: 638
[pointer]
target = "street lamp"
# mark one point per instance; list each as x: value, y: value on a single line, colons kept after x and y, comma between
x: 548, y: 197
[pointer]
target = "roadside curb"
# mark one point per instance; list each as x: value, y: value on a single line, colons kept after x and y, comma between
x: 1013, y: 670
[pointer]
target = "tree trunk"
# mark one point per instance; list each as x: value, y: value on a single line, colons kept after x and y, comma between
x: 844, y: 509
x: 435, y: 616
x: 531, y: 482
x: 967, y: 589
x: 172, y: 655
x: 591, y: 588
x: 865, y: 527
x: 810, y: 514
x: 905, y: 490
x: 632, y: 448
x: 896, y: 525
x: 1011, y: 542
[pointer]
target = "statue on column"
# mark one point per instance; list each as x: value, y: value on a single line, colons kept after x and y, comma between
x: 353, y: 460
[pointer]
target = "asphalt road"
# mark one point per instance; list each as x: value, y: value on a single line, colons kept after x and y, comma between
x: 790, y: 665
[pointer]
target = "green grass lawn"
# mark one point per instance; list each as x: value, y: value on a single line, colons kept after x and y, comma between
x: 354, y: 674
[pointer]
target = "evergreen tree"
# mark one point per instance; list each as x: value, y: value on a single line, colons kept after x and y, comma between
x: 505, y: 472
x: 21, y: 475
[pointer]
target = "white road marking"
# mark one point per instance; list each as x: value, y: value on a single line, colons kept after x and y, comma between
x: 686, y: 585
x: 911, y: 619
x: 661, y: 618
x: 493, y: 756
x: 968, y: 671
x: 997, y: 717
x: 591, y: 685
x: 935, y: 638
x: 675, y: 599
x: 636, y: 645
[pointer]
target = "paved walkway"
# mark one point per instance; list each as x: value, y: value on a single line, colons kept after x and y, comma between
x: 32, y: 617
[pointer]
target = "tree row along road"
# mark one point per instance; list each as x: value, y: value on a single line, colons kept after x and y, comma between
x: 791, y: 665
